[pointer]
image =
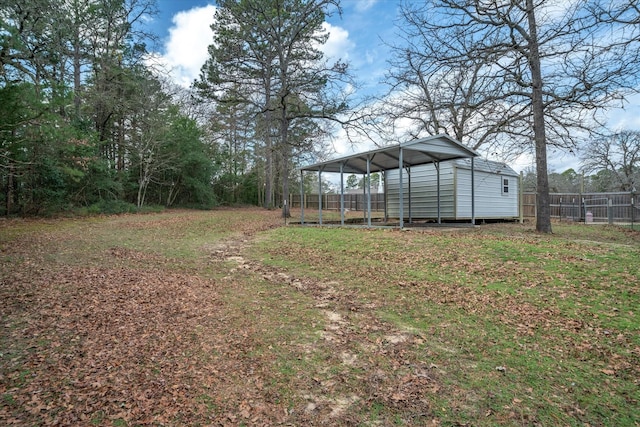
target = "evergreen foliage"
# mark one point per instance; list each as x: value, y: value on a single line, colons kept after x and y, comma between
x: 84, y: 125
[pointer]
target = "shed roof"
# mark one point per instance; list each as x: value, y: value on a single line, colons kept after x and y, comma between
x: 417, y: 152
x: 486, y: 165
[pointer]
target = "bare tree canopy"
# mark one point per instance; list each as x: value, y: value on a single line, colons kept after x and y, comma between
x: 514, y: 76
x: 619, y: 155
x: 467, y: 73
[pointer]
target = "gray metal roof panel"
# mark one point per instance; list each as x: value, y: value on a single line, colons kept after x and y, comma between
x: 420, y: 151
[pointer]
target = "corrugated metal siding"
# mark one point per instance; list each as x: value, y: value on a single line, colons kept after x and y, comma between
x: 455, y: 192
x: 424, y: 192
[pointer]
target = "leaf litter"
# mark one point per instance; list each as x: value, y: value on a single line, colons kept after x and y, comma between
x: 129, y: 340
x: 132, y: 340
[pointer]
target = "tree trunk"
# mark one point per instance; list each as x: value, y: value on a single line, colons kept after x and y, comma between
x: 120, y: 150
x: 174, y: 189
x: 268, y: 169
x: 543, y: 218
x: 142, y: 189
x: 9, y: 193
x: 285, y: 166
x: 76, y: 74
x: 268, y: 179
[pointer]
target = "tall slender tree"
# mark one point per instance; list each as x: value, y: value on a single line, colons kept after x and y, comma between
x: 266, y: 54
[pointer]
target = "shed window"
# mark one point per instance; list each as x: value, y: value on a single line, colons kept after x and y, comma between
x: 505, y: 186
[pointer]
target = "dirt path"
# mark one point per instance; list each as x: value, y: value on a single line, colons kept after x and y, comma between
x: 359, y: 342
x: 137, y: 320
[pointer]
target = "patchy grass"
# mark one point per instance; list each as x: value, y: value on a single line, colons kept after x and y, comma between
x: 227, y: 318
x: 519, y: 327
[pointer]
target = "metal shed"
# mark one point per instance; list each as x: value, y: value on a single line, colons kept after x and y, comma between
x: 400, y: 158
x: 496, y: 188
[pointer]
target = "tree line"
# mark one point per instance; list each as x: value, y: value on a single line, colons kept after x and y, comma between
x: 84, y: 122
x: 87, y: 122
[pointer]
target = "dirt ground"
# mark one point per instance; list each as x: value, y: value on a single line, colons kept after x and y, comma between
x: 128, y: 339
x: 94, y: 331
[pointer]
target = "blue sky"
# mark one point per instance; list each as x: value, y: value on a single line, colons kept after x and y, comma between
x: 182, y: 26
x: 358, y: 36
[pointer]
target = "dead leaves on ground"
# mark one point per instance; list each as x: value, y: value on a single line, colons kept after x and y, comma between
x: 132, y: 341
x: 144, y: 346
x: 123, y: 338
x: 105, y: 344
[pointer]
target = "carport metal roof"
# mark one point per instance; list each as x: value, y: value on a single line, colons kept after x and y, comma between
x: 420, y: 151
x: 432, y: 149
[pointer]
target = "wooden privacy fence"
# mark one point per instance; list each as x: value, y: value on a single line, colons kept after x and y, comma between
x: 352, y: 202
x: 619, y: 207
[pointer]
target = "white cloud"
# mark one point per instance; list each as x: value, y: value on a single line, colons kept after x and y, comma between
x: 339, y: 44
x: 364, y: 5
x: 553, y: 12
x: 627, y: 117
x: 187, y: 43
x: 189, y: 37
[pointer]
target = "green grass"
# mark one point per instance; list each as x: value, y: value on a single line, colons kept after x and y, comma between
x: 133, y: 237
x: 552, y: 310
x: 495, y: 325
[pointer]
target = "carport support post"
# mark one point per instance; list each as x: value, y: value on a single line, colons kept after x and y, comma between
x: 320, y: 197
x: 400, y: 193
x: 301, y: 197
x: 369, y: 191
x: 409, y: 189
x: 384, y: 189
x: 437, y: 165
x: 473, y: 194
x: 341, y: 193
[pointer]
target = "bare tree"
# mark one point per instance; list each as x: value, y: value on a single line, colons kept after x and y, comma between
x: 521, y: 75
x: 147, y: 124
x: 619, y: 155
x: 461, y: 98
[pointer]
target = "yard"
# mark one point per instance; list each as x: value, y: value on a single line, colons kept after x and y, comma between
x: 229, y: 317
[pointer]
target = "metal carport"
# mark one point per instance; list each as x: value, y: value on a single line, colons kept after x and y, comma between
x: 432, y: 149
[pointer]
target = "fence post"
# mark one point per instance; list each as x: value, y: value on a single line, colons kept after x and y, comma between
x: 633, y: 208
x: 610, y: 210
x: 560, y: 215
x: 580, y: 201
